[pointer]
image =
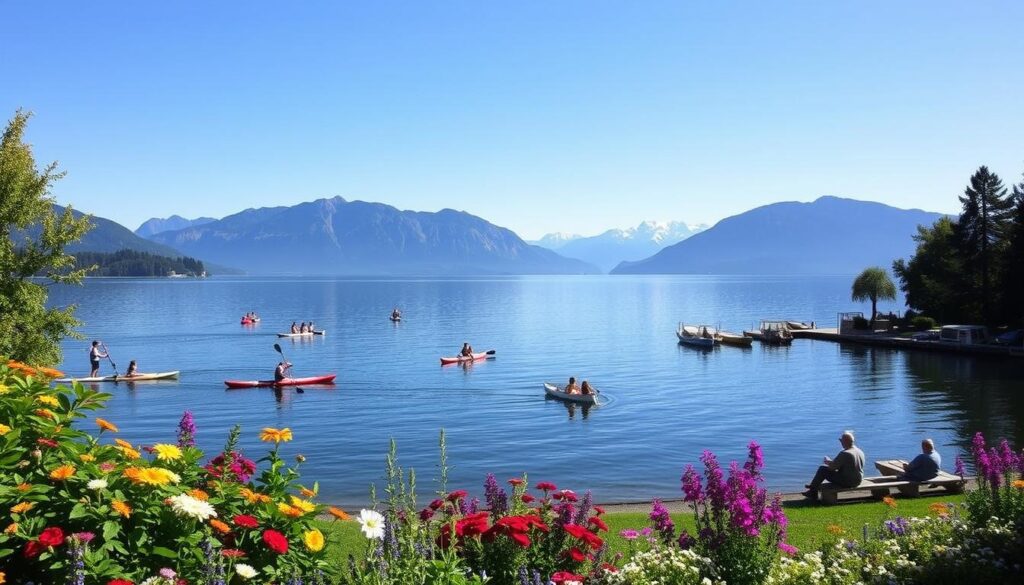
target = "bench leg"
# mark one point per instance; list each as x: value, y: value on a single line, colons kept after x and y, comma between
x: 829, y: 497
x: 911, y: 490
x: 879, y: 493
x: 954, y: 488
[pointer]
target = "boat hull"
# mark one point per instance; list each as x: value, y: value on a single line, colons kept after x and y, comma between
x: 463, y: 360
x: 311, y: 334
x: 556, y: 392
x: 309, y: 381
x: 139, y: 378
x: 701, y: 342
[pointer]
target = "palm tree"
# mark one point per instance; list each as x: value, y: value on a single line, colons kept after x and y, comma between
x: 873, y: 284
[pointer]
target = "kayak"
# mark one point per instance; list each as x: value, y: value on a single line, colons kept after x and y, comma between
x: 465, y: 359
x: 328, y: 379
x: 556, y: 392
x: 136, y: 378
x: 309, y: 334
x: 249, y: 321
x: 395, y: 319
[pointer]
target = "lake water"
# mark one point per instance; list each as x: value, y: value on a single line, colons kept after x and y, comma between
x: 666, y: 402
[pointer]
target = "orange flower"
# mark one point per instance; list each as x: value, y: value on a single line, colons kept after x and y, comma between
x: 271, y: 435
x: 220, y: 526
x: 124, y: 444
x: 63, y: 472
x: 24, y: 487
x: 939, y: 508
x: 12, y: 528
x: 199, y: 494
x: 1018, y: 483
x: 22, y: 507
x: 106, y: 425
x: 45, y: 413
x: 339, y: 513
x: 834, y: 529
x: 50, y: 372
x: 889, y: 501
x: 121, y: 508
x: 254, y: 497
x: 307, y: 493
x: 130, y: 453
x: 151, y: 475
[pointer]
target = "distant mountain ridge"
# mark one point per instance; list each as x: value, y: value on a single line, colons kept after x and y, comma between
x: 830, y: 235
x: 608, y: 249
x: 108, y: 236
x: 156, y: 225
x: 335, y: 236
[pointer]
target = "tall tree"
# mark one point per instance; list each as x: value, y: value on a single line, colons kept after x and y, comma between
x: 873, y: 284
x: 1013, y: 260
x: 982, y: 226
x: 933, y: 279
x: 30, y: 332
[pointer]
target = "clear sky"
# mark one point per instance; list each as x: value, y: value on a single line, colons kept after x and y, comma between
x: 539, y: 116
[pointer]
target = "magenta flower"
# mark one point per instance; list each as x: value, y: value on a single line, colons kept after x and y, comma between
x: 692, y: 488
x: 629, y: 534
x: 187, y: 430
x: 788, y: 549
x: 958, y: 466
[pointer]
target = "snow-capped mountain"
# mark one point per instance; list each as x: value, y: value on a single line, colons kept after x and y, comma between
x: 607, y: 249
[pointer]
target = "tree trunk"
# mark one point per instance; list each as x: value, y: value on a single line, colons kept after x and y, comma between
x: 874, y: 311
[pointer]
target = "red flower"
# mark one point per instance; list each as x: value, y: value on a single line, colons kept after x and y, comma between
x: 575, y: 554
x: 436, y: 504
x: 232, y: 553
x: 599, y: 510
x: 563, y: 576
x: 120, y: 582
x: 516, y: 482
x: 246, y: 521
x: 575, y: 530
x: 472, y: 525
x: 52, y: 536
x: 33, y: 549
x: 597, y: 523
x: 546, y: 486
x: 520, y: 539
x: 565, y: 495
x: 275, y: 541
x: 609, y: 567
x: 47, y: 442
x: 426, y: 514
x: 456, y: 495
x: 527, y: 498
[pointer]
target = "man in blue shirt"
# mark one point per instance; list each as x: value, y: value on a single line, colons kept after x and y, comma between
x: 925, y: 466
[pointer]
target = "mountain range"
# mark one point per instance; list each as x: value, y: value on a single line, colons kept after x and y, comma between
x: 830, y: 235
x: 175, y: 222
x: 107, y: 236
x: 608, y: 249
x: 335, y: 236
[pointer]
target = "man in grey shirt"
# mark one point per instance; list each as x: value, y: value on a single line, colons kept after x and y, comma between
x: 925, y: 466
x: 846, y: 470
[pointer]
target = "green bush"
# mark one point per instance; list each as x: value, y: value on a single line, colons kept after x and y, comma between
x: 922, y: 323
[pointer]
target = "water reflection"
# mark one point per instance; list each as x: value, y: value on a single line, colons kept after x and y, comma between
x: 572, y: 407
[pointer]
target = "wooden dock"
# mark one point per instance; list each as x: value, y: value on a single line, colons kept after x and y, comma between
x: 893, y: 342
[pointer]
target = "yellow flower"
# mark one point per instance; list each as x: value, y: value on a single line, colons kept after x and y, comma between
x: 48, y: 400
x: 12, y: 528
x: 4, y: 429
x: 151, y: 475
x: 106, y: 425
x: 303, y: 504
x: 130, y: 453
x: 167, y: 452
x: 22, y: 507
x: 290, y: 511
x: 270, y: 435
x: 123, y: 443
x: 121, y: 508
x: 889, y: 501
x: 339, y: 513
x: 4, y: 389
x: 63, y: 472
x: 834, y: 529
x: 314, y: 540
x: 1018, y: 483
x: 87, y: 457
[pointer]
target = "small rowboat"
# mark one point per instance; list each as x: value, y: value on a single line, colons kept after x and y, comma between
x: 307, y: 334
x: 136, y: 378
x: 556, y: 391
x: 735, y: 339
x: 695, y: 336
x: 467, y: 359
x: 328, y: 379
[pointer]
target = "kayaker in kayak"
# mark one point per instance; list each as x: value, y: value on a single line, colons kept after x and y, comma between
x: 303, y: 328
x: 467, y: 350
x: 95, y: 355
x: 133, y: 370
x: 571, y: 387
x: 295, y: 328
x: 311, y: 328
x: 396, y: 314
x: 586, y: 388
x: 281, y: 371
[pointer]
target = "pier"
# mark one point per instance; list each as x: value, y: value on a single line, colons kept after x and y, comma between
x: 888, y: 340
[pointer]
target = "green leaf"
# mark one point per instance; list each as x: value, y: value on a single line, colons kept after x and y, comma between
x: 165, y: 552
x: 78, y: 511
x: 110, y: 530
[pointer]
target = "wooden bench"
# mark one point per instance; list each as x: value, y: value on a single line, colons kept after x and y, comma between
x: 878, y: 486
x: 953, y: 484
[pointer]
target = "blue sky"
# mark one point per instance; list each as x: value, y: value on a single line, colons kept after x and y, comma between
x: 538, y: 116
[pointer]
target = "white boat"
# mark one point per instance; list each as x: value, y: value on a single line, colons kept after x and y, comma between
x: 772, y: 333
x: 555, y: 391
x: 136, y: 378
x: 307, y: 334
x: 701, y: 336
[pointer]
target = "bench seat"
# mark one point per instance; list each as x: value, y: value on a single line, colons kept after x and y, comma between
x: 879, y: 486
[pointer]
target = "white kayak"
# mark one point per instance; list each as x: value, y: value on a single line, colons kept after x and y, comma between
x: 136, y: 378
x: 555, y: 391
x: 307, y: 334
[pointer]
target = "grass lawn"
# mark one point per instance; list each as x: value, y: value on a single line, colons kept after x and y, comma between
x: 807, y: 523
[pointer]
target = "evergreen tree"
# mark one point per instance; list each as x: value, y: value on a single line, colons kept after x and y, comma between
x: 933, y: 279
x: 1013, y: 260
x: 982, y: 226
x: 30, y: 332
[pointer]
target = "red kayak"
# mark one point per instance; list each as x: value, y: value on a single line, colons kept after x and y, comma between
x: 329, y: 379
x: 464, y: 359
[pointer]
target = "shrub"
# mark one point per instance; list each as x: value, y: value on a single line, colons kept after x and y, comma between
x: 1000, y: 474
x: 81, y: 506
x: 860, y: 323
x: 923, y: 323
x: 662, y: 564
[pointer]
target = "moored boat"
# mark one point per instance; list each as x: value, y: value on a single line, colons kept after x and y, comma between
x: 466, y: 359
x: 555, y: 391
x: 772, y: 333
x: 734, y: 339
x: 695, y: 336
x: 798, y: 325
x: 308, y: 381
x: 136, y: 378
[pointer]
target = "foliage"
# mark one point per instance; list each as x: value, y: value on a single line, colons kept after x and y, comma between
x: 662, y: 564
x: 130, y: 515
x: 981, y: 229
x: 932, y: 279
x: 873, y: 284
x: 1013, y: 265
x: 1000, y: 474
x: 29, y: 331
x: 135, y: 263
x: 922, y: 323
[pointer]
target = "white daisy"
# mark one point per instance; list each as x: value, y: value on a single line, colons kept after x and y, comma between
x: 245, y: 571
x: 371, y: 523
x: 96, y: 484
x: 186, y: 505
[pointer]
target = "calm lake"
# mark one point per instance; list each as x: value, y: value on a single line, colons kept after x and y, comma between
x: 666, y: 402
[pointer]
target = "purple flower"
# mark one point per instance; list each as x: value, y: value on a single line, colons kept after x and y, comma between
x: 646, y: 531
x: 897, y: 527
x: 168, y: 573
x: 187, y: 430
x: 958, y: 466
x: 497, y: 498
x: 692, y: 488
x: 685, y: 540
x: 84, y: 537
x: 662, y: 521
x: 788, y: 549
x: 755, y: 459
x: 629, y: 534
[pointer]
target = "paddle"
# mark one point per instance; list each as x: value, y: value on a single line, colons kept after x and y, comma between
x: 111, y: 360
x: 277, y: 347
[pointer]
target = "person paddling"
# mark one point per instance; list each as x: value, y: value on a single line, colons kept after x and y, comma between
x: 312, y: 328
x: 295, y: 328
x: 302, y: 328
x: 281, y: 371
x: 571, y: 387
x: 133, y: 370
x: 467, y: 350
x: 396, y: 314
x: 95, y: 355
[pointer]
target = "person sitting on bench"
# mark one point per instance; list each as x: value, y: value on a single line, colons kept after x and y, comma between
x: 925, y: 466
x: 846, y: 470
